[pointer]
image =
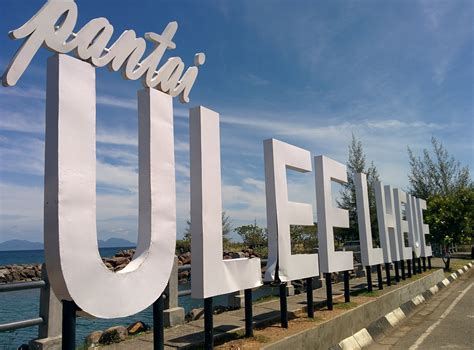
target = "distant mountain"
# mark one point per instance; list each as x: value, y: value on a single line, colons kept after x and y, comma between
x: 19, y: 244
x: 115, y: 243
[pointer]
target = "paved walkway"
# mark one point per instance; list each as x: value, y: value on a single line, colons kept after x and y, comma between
x: 191, y: 334
x: 445, y: 321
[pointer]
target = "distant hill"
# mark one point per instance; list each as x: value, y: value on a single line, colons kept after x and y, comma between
x: 115, y: 243
x: 19, y: 244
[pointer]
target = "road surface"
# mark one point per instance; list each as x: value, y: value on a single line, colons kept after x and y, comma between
x: 446, y: 321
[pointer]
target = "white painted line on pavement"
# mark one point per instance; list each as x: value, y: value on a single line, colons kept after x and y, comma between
x: 436, y: 324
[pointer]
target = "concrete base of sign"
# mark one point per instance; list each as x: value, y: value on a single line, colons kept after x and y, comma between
x: 290, y: 289
x: 53, y: 343
x: 236, y: 300
x: 173, y: 317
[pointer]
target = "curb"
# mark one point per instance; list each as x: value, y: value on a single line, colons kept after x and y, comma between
x: 379, y: 328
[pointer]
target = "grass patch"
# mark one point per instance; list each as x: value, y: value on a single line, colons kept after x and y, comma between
x: 261, y: 338
x: 315, y: 319
x: 454, y: 266
x: 266, y: 298
x: 364, y: 293
x: 345, y: 306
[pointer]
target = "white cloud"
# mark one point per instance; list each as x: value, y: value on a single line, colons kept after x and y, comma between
x: 22, y: 155
x: 113, y: 101
x: 28, y: 121
x: 30, y: 92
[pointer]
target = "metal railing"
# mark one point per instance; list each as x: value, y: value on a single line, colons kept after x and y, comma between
x: 12, y: 287
x: 50, y: 309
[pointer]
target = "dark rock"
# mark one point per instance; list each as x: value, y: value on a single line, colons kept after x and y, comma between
x: 195, y: 314
x: 113, y: 335
x: 93, y: 338
x: 119, y: 260
x: 237, y: 255
x: 183, y: 274
x: 16, y: 276
x: 30, y: 273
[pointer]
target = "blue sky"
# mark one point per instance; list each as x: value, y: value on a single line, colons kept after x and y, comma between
x: 309, y: 73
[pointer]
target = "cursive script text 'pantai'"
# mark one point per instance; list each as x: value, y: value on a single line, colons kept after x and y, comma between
x: 52, y: 26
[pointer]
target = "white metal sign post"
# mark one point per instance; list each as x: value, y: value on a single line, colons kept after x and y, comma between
x: 386, y: 223
x: 328, y: 170
x: 212, y: 276
x: 283, y: 266
x: 370, y: 255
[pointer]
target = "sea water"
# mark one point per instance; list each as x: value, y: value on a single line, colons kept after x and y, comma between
x: 22, y: 305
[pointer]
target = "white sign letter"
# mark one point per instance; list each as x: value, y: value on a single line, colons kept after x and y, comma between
x: 413, y: 228
x: 72, y: 257
x: 211, y: 274
x: 386, y: 222
x: 281, y: 213
x: 424, y: 229
x: 328, y: 170
x: 400, y: 198
x: 370, y: 255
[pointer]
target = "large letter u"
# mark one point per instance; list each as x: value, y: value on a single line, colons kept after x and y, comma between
x: 72, y: 257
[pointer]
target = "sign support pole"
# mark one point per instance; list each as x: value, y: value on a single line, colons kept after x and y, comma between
x: 69, y: 325
x: 347, y: 296
x: 379, y: 276
x: 397, y: 272
x: 248, y: 313
x: 368, y: 272
x: 387, y: 273
x: 283, y: 306
x: 402, y: 267
x: 309, y: 297
x: 208, y: 324
x: 158, y: 322
x: 327, y: 277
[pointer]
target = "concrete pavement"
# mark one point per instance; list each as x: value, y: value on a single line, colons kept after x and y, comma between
x: 191, y: 334
x: 446, y: 321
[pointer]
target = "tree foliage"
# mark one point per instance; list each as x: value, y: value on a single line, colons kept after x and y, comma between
x: 226, y: 228
x: 357, y: 163
x: 451, y: 217
x: 303, y: 238
x: 436, y: 173
x: 252, y: 235
x: 446, y: 185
